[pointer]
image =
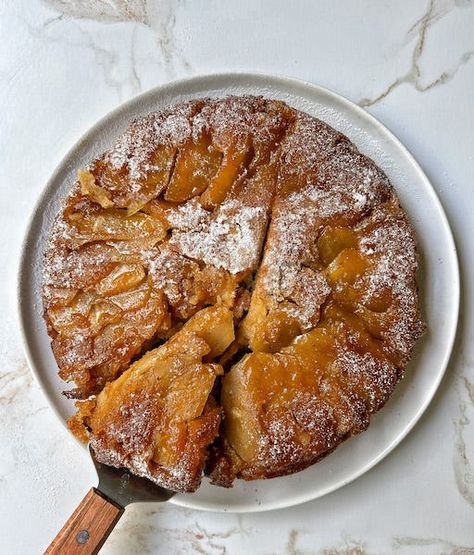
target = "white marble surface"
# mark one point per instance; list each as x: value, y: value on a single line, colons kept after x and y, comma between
x: 66, y: 63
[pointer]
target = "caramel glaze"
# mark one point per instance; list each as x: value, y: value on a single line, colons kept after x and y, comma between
x: 231, y: 287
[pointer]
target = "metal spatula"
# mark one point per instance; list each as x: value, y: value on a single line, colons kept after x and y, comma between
x: 97, y: 514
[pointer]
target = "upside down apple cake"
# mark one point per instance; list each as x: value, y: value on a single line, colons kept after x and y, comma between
x: 232, y: 290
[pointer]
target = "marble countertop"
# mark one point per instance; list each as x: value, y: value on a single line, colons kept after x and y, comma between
x: 66, y: 63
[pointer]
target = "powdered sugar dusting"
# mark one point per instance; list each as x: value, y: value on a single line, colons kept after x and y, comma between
x: 315, y: 178
x: 376, y: 377
x: 189, y: 216
x: 390, y: 240
x: 288, y: 272
x: 327, y: 180
x: 171, y: 273
x: 229, y: 241
x: 133, y: 149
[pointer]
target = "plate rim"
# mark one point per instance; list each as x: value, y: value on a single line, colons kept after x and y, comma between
x: 276, y: 80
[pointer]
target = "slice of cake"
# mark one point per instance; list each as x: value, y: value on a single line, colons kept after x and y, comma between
x: 159, y: 417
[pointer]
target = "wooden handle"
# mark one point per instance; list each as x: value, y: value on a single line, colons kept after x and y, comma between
x: 88, y: 527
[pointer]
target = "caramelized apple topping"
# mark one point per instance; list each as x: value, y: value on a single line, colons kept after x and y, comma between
x: 231, y: 285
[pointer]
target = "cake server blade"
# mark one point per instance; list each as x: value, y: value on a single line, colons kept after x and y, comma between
x: 96, y: 516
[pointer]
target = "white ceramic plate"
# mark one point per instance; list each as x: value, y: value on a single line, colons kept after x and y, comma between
x: 439, y: 282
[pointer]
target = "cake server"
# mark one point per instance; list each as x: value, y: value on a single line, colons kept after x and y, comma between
x: 97, y: 514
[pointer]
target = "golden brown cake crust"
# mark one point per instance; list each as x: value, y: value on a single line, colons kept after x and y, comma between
x: 249, y: 206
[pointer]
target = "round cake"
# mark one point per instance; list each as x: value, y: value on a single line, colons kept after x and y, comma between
x: 231, y: 288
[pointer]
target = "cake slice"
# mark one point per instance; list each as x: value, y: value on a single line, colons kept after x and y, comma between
x: 284, y: 411
x: 159, y: 417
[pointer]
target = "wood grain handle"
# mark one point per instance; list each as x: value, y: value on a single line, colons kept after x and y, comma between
x: 88, y: 527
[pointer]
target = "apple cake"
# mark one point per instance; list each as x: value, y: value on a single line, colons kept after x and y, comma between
x: 231, y: 290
